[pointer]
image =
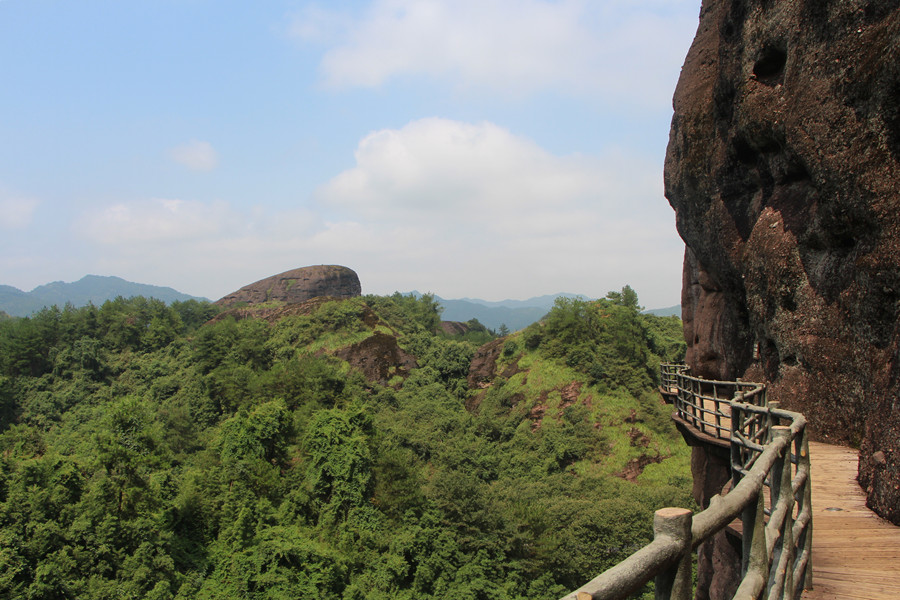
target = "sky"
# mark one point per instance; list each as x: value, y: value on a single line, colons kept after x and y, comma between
x: 489, y: 149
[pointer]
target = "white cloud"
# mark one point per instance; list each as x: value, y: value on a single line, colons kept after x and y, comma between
x: 154, y: 221
x: 204, y: 248
x: 16, y: 212
x: 195, y: 155
x: 614, y: 49
x: 435, y: 205
x: 439, y: 169
x: 467, y: 197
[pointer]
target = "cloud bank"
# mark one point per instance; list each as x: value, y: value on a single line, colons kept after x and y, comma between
x: 155, y: 221
x: 478, y: 175
x: 430, y: 206
x: 509, y: 46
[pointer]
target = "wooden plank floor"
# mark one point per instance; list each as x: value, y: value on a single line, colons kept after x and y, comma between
x: 856, y: 554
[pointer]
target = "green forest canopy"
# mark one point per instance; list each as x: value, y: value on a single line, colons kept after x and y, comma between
x: 149, y: 452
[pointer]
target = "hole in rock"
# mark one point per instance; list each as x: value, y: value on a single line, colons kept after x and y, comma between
x: 744, y: 153
x: 795, y: 172
x: 769, y: 67
x: 788, y: 302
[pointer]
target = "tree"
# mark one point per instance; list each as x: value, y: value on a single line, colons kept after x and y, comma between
x: 259, y: 434
x: 627, y: 298
x: 339, y: 469
x: 193, y: 313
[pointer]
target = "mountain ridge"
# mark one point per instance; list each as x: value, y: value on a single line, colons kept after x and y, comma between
x: 95, y: 289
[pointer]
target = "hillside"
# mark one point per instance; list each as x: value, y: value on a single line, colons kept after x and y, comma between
x: 328, y: 449
x: 94, y: 289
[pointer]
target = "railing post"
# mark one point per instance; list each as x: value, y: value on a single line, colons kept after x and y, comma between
x: 802, y: 561
x: 769, y: 423
x: 737, y: 459
x: 694, y: 386
x: 749, y: 514
x: 772, y: 420
x: 674, y: 583
x: 698, y: 414
x: 755, y: 560
x: 715, y: 406
x: 782, y: 571
x: 807, y: 501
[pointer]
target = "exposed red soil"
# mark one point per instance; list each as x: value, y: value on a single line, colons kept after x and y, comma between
x: 636, y: 466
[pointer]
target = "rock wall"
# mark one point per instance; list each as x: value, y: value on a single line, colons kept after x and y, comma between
x: 783, y: 168
x: 298, y: 285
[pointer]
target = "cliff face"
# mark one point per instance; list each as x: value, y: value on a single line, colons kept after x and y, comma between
x: 783, y: 168
x: 298, y: 285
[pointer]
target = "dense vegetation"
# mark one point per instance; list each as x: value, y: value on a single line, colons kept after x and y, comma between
x: 148, y: 452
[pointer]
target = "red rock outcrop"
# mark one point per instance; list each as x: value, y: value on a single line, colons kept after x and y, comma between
x: 379, y: 358
x: 783, y: 168
x: 484, y: 364
x: 298, y: 285
x: 454, y: 327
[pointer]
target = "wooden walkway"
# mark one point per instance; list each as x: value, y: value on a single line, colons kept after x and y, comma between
x: 856, y: 554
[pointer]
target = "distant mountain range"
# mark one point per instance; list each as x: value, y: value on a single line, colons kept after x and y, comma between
x: 515, y: 314
x: 670, y: 311
x: 91, y: 288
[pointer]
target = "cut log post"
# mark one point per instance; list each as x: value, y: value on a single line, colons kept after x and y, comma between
x: 781, y: 557
x: 675, y: 582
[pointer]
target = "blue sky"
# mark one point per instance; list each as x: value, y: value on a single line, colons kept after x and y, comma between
x: 472, y: 148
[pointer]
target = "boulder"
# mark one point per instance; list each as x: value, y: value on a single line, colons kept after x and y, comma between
x: 297, y: 286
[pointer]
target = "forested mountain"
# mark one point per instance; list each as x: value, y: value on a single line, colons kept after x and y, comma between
x: 94, y: 289
x: 331, y: 449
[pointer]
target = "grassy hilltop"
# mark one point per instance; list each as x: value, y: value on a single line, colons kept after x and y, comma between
x: 334, y: 449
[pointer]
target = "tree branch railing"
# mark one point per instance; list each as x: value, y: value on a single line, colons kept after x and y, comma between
x: 705, y: 404
x: 769, y: 447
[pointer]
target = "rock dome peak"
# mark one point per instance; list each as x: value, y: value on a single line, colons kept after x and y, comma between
x: 298, y: 285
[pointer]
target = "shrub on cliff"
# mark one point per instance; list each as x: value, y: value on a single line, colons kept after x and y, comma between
x: 608, y: 339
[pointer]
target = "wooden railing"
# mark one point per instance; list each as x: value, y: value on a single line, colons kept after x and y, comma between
x: 704, y: 404
x: 769, y: 448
